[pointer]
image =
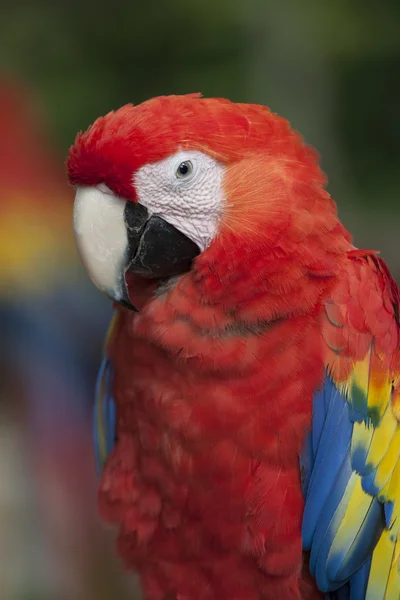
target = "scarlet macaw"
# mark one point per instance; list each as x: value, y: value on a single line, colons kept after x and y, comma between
x: 247, y: 414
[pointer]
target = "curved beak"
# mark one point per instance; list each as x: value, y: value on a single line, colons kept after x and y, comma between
x: 117, y: 239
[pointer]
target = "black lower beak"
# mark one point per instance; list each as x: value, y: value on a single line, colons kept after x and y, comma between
x: 156, y: 249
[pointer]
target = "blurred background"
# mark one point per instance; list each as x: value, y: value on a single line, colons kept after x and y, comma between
x: 332, y: 69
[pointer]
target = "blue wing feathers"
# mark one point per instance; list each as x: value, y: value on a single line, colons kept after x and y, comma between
x: 323, y: 536
x: 104, y: 415
x: 109, y: 410
x: 368, y: 484
x: 359, y: 582
x: 325, y: 416
x: 333, y: 446
x: 341, y: 566
x: 388, y: 510
x: 359, y: 461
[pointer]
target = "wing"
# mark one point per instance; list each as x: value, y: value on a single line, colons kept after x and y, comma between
x: 104, y: 416
x: 351, y: 462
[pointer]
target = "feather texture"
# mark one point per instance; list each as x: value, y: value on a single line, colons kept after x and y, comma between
x: 351, y: 517
x: 104, y: 416
x: 216, y: 378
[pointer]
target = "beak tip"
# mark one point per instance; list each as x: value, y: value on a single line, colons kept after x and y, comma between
x: 127, y: 304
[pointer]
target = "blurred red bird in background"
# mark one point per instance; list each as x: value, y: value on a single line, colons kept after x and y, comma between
x: 52, y: 324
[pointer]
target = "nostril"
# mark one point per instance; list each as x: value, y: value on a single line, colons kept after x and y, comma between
x: 102, y: 187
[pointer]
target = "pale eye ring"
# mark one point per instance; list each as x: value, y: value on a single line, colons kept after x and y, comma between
x: 184, y: 170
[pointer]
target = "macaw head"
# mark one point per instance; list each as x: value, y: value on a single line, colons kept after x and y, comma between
x: 178, y: 180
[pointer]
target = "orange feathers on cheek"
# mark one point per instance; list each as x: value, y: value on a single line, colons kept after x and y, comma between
x: 258, y: 200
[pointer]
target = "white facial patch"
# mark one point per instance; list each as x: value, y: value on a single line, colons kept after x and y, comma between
x: 190, y: 201
x: 101, y: 236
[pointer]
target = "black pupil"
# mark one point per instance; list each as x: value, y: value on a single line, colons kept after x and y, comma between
x: 183, y: 168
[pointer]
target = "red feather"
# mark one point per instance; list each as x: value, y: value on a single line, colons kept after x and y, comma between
x: 118, y: 144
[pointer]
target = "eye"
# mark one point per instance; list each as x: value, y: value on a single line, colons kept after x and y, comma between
x: 184, y: 170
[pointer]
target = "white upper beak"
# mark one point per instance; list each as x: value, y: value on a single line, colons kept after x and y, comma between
x: 101, y: 237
